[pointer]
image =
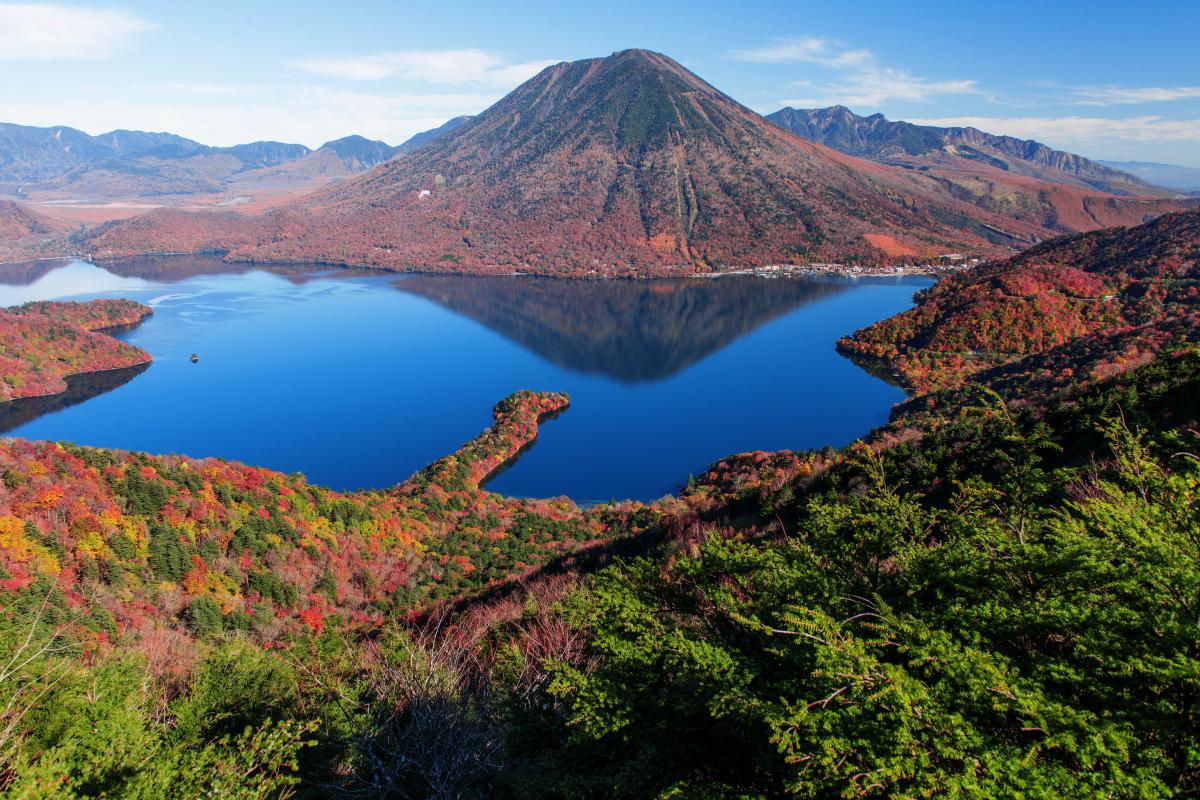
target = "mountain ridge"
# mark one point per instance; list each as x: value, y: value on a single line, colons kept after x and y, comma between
x: 896, y: 141
x: 622, y: 165
x: 60, y: 157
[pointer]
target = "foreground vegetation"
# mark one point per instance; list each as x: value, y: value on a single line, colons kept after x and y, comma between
x: 997, y: 596
x: 1006, y: 608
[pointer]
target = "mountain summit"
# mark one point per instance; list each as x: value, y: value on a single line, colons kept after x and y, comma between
x: 628, y: 164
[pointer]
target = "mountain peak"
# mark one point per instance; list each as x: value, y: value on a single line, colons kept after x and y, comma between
x: 630, y: 100
x: 358, y: 152
x: 637, y: 52
x: 623, y: 164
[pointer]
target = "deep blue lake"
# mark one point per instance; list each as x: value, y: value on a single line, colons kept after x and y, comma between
x: 357, y: 380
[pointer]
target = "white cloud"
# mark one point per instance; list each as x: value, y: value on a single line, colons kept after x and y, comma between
x: 874, y: 86
x: 468, y: 66
x: 30, y: 31
x: 1118, y: 95
x: 217, y: 115
x: 862, y: 81
x: 805, y: 49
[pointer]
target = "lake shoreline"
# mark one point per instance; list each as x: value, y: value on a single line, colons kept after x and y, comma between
x: 660, y: 371
x: 808, y: 270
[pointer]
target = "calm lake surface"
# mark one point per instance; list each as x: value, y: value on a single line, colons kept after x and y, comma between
x: 357, y: 380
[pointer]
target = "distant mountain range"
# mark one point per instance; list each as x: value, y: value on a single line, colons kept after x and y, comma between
x: 124, y: 163
x: 631, y: 164
x: 957, y: 149
x: 64, y: 163
x: 1186, y: 179
x: 624, y: 165
x: 417, y: 140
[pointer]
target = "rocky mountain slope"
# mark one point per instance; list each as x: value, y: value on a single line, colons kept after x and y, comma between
x: 418, y: 140
x: 906, y: 144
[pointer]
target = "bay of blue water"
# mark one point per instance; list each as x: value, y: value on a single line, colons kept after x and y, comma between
x: 357, y: 379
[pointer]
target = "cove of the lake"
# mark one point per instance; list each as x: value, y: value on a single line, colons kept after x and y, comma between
x: 359, y: 379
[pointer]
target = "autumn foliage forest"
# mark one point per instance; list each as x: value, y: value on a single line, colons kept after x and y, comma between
x: 1125, y: 291
x: 42, y: 344
x: 994, y: 596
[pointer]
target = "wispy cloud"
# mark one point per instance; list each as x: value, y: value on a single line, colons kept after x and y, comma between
x: 805, y: 49
x: 29, y: 31
x: 1120, y: 95
x: 225, y: 115
x: 861, y: 80
x: 468, y: 66
x: 873, y: 86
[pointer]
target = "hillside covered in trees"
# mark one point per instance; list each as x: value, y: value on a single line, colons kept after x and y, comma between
x: 996, y: 596
x: 44, y: 343
x: 1130, y: 290
x: 1006, y: 606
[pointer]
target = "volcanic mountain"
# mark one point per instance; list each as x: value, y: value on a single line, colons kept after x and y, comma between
x: 628, y: 164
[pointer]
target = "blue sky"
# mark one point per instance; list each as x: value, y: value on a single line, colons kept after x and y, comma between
x: 1117, y: 80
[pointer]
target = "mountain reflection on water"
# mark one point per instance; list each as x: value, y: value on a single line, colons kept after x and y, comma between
x: 16, y: 413
x: 174, y: 269
x: 631, y: 331
x: 359, y: 378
